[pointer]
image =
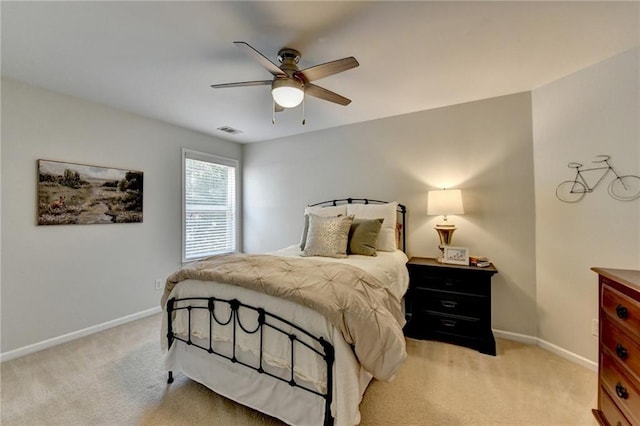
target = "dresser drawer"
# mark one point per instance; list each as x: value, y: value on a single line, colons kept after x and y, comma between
x: 462, y: 283
x: 623, y: 390
x: 610, y: 411
x: 452, y: 303
x: 621, y: 308
x: 621, y: 347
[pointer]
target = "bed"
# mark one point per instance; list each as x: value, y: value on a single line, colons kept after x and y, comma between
x: 298, y: 333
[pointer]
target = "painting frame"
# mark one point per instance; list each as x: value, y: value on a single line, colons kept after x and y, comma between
x: 73, y: 193
x: 456, y: 255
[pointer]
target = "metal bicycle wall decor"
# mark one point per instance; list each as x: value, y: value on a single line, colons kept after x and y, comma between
x: 622, y: 187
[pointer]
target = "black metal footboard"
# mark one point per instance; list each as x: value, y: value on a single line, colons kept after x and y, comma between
x: 264, y: 319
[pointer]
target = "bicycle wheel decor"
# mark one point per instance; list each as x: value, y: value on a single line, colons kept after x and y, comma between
x: 625, y: 188
x: 571, y: 191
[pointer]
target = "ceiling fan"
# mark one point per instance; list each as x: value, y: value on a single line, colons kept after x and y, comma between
x: 290, y: 84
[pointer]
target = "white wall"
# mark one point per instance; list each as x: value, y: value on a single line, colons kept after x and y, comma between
x: 484, y: 148
x: 594, y: 111
x: 61, y: 279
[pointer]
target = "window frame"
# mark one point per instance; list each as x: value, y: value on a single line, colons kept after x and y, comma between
x: 214, y: 159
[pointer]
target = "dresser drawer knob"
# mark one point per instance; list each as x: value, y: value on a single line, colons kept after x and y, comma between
x: 621, y: 351
x: 448, y: 303
x: 622, y: 391
x: 622, y: 312
x: 448, y: 322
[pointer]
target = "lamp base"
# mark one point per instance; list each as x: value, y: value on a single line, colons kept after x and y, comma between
x: 445, y: 234
x: 440, y: 258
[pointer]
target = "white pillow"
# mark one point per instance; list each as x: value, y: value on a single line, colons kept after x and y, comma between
x: 387, y: 212
x: 331, y: 211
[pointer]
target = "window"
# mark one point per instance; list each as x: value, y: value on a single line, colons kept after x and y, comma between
x: 208, y: 205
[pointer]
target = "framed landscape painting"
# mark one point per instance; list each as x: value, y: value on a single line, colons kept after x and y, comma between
x: 71, y: 193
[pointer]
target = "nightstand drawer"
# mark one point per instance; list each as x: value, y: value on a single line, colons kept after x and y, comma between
x: 449, y: 324
x: 460, y: 283
x: 451, y: 303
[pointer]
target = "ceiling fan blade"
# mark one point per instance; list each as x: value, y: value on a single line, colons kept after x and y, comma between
x: 242, y: 84
x: 264, y: 61
x: 327, y: 95
x: 329, y: 68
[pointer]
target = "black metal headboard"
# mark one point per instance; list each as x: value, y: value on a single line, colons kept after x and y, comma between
x: 402, y: 210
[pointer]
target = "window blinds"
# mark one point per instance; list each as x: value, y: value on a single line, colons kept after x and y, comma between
x: 209, y: 205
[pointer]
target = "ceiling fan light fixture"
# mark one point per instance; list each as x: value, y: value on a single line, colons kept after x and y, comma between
x: 287, y: 92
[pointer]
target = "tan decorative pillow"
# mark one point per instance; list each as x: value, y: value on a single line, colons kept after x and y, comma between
x: 327, y: 236
x: 363, y: 236
x: 320, y: 211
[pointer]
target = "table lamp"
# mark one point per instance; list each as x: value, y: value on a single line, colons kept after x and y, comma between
x: 442, y: 203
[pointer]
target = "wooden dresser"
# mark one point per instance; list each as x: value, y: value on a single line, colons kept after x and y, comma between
x: 619, y: 349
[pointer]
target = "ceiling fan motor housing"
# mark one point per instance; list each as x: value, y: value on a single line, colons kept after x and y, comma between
x: 286, y: 54
x: 289, y: 59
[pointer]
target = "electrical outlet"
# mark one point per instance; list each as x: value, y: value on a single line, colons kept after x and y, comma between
x: 158, y: 284
x: 595, y: 329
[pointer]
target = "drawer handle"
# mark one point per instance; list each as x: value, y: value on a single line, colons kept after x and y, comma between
x: 622, y: 391
x: 622, y: 312
x: 448, y: 322
x: 621, y: 351
x: 448, y: 303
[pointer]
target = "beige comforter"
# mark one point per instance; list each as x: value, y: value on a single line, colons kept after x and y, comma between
x: 366, y: 313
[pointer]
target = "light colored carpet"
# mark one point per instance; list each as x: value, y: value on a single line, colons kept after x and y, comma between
x: 117, y: 377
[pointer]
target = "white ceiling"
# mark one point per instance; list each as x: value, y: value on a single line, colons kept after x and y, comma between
x: 158, y: 59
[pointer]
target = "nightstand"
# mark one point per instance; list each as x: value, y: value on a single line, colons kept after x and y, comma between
x: 450, y: 303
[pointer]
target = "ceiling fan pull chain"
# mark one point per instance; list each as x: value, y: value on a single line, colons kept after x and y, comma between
x: 304, y: 121
x: 273, y: 112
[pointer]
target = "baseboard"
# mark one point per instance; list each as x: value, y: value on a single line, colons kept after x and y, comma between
x: 563, y: 353
x: 517, y: 337
x: 557, y: 350
x: 45, y: 344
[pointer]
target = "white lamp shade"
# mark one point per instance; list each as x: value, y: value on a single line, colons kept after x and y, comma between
x: 287, y: 92
x: 444, y: 202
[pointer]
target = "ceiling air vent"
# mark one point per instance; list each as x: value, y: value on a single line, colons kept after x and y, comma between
x: 229, y: 130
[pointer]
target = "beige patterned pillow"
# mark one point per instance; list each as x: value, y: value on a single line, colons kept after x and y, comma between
x: 327, y: 236
x: 320, y: 211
